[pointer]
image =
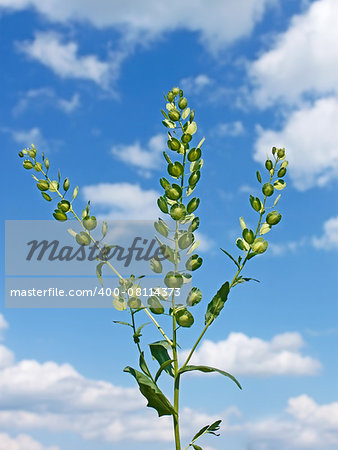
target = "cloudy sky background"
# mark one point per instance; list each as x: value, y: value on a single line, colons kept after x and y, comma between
x: 84, y: 81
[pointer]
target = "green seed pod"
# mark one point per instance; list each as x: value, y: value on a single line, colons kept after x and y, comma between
x: 38, y: 167
x: 255, y: 203
x: 175, y: 90
x: 162, y: 204
x: 274, y: 150
x: 281, y: 153
x: 46, y: 196
x: 47, y: 163
x: 194, y: 297
x: 60, y: 215
x: 248, y: 236
x: 175, y: 170
x: 194, y: 224
x: 240, y: 244
x: 177, y: 211
x: 134, y: 303
x: 194, y: 177
x: 165, y: 183
x: 155, y: 305
x: 83, y: 238
x: 194, y: 154
x: 273, y: 218
x: 20, y: 154
x: 268, y: 164
x: 184, y: 318
x: 194, y: 262
x: 267, y: 189
x: 174, y: 192
x: 66, y: 184
x: 27, y: 164
x: 174, y: 115
x: 32, y: 153
x: 173, y: 280
x: 170, y: 96
x: 183, y: 103
x: 64, y: 206
x: 174, y: 144
x: 259, y: 246
x: 156, y: 265
x: 192, y: 115
x: 185, y: 240
x: 43, y: 185
x: 193, y: 205
x: 281, y: 172
x: 186, y: 138
x: 89, y: 223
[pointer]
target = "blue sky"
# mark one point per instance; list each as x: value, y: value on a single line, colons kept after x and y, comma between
x: 84, y: 82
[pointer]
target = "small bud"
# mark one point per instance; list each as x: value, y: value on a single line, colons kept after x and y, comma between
x: 194, y: 297
x: 175, y: 170
x: 27, y: 164
x: 174, y: 144
x: 170, y: 96
x: 255, y: 203
x: 20, y: 154
x: 281, y: 172
x: 274, y: 150
x: 194, y: 154
x: 248, y: 236
x: 267, y: 189
x: 173, y: 280
x: 155, y: 305
x: 183, y: 103
x: 281, y: 153
x: 259, y: 246
x: 47, y: 163
x: 186, y: 138
x: 184, y: 318
x: 43, y: 185
x: 192, y: 115
x: 89, y: 223
x: 194, y: 177
x: 273, y: 218
x: 66, y: 184
x: 268, y: 164
x: 194, y: 224
x: 46, y: 196
x: 194, y: 262
x: 174, y: 115
x: 177, y: 211
x: 193, y: 205
x: 60, y: 215
x: 162, y: 204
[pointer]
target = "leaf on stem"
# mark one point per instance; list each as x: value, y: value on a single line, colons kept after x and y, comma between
x: 208, y: 369
x: 160, y: 353
x: 231, y: 257
x: 156, y: 398
x: 217, y: 303
x: 99, y: 272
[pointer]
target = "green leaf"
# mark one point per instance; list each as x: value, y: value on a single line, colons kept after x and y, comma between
x: 143, y: 365
x: 217, y: 303
x: 200, y: 433
x: 208, y: 369
x: 123, y: 323
x: 276, y: 201
x: 231, y: 257
x: 241, y: 279
x: 138, y: 334
x: 162, y: 367
x: 156, y: 398
x: 196, y: 447
x: 160, y: 353
x: 99, y: 272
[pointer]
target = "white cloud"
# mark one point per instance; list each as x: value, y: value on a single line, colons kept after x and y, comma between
x: 64, y: 60
x: 229, y: 129
x: 124, y: 200
x: 303, y: 59
x: 217, y: 26
x: 22, y: 442
x: 194, y: 85
x: 28, y: 137
x: 329, y: 238
x: 310, y: 136
x: 48, y: 97
x: 3, y: 325
x: 311, y: 426
x: 146, y: 159
x: 243, y: 355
